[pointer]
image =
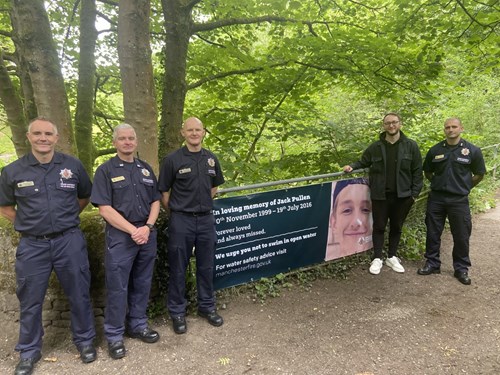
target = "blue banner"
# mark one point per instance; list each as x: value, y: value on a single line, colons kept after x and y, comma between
x: 263, y: 234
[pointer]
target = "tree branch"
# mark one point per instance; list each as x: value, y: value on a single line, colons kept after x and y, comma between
x: 105, y: 17
x: 192, y: 4
x: 198, y: 27
x: 470, y: 15
x: 106, y: 151
x: 109, y: 2
x: 257, y: 137
x: 366, y: 6
x: 214, y: 77
x: 210, y: 42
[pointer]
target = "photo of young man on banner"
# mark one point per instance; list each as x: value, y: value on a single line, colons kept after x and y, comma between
x: 351, y: 223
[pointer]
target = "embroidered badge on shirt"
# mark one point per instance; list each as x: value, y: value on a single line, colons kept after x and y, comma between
x: 119, y: 178
x: 66, y: 173
x: 66, y: 185
x: 184, y: 170
x: 211, y: 162
x: 438, y: 156
x: 145, y: 172
x: 465, y: 151
x: 25, y: 184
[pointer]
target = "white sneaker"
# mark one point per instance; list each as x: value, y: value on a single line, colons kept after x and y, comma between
x: 376, y: 266
x: 395, y: 264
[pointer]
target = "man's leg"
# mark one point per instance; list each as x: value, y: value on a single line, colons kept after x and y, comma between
x: 33, y: 269
x: 179, y: 249
x: 398, y: 211
x: 121, y: 251
x: 380, y: 217
x: 206, y: 240
x: 435, y: 218
x: 139, y: 285
x: 71, y: 265
x: 461, y: 228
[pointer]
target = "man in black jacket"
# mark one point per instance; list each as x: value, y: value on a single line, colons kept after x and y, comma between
x: 395, y: 182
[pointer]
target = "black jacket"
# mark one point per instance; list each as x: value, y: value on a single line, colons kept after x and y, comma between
x: 409, y: 178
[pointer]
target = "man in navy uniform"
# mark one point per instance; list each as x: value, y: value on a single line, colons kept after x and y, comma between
x: 188, y: 181
x: 454, y: 166
x: 125, y: 190
x: 43, y: 193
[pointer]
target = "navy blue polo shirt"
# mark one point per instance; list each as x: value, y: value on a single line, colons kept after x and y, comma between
x: 453, y: 166
x: 45, y: 195
x: 130, y: 188
x: 190, y: 176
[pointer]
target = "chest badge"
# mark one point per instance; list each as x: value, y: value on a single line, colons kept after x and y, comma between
x: 25, y: 184
x: 118, y: 178
x: 145, y: 172
x: 211, y: 162
x: 439, y: 156
x: 465, y: 151
x: 66, y: 173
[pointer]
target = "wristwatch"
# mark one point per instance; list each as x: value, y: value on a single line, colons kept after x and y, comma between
x: 151, y: 227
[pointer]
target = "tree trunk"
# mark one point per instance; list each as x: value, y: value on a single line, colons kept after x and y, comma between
x: 86, y: 85
x: 32, y: 32
x: 9, y: 97
x: 178, y: 26
x: 136, y: 70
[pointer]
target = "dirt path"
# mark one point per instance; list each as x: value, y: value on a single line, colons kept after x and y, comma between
x: 387, y: 324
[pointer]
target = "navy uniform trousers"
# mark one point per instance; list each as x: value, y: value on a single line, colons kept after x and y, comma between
x: 129, y: 271
x: 456, y: 208
x: 185, y: 232
x: 35, y: 259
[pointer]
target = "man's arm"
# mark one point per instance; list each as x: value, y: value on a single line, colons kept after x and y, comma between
x: 213, y: 192
x: 165, y: 196
x: 83, y: 203
x: 154, y: 212
x: 8, y: 212
x: 476, y: 179
x: 141, y: 234
x: 114, y: 218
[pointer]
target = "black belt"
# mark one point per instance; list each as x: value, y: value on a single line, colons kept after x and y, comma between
x: 194, y: 213
x: 46, y: 237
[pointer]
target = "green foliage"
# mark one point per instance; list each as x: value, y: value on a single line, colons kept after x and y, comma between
x: 482, y: 197
x: 302, y: 278
x: 7, y: 152
x: 270, y: 287
x: 160, y: 276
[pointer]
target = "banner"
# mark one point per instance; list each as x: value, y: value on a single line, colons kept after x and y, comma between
x: 263, y: 234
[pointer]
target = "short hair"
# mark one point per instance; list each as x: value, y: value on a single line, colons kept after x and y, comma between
x: 121, y: 127
x: 453, y: 118
x: 392, y: 114
x: 42, y: 118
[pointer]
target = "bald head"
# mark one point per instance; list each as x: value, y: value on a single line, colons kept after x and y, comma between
x: 192, y: 121
x: 193, y: 132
